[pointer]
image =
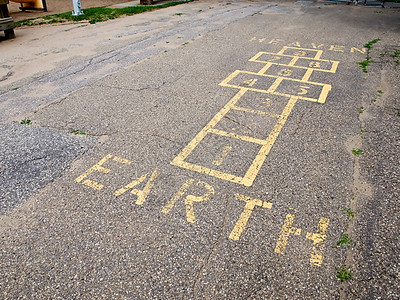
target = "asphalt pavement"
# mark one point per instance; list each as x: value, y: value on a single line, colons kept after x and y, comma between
x: 219, y: 150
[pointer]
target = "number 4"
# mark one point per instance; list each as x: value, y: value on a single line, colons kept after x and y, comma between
x: 250, y: 82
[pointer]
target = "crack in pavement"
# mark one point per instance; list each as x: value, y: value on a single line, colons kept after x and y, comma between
x: 199, y: 275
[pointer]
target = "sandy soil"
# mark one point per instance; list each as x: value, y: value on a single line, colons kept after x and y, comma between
x: 57, y: 6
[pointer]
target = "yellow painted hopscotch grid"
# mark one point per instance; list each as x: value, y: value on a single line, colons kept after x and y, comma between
x: 302, y: 89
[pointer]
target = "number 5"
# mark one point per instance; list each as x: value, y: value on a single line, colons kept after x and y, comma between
x: 303, y: 90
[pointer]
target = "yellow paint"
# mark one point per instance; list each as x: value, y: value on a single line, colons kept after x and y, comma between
x: 191, y: 198
x: 250, y: 82
x: 122, y: 160
x: 275, y: 58
x: 271, y: 90
x: 319, y: 242
x: 93, y: 184
x: 275, y: 85
x: 130, y: 185
x: 265, y: 113
x: 238, y: 136
x: 295, y: 44
x: 141, y: 194
x: 267, y: 103
x: 222, y: 156
x: 275, y: 41
x: 285, y: 72
x: 336, y: 48
x: 244, y: 217
x: 96, y: 168
x: 265, y: 68
x: 300, y: 53
x: 255, y: 167
x: 324, y: 93
x: 211, y: 172
x: 307, y: 76
x: 293, y: 62
x: 303, y: 88
x: 286, y: 231
x: 314, y: 64
x: 167, y: 208
x: 318, y: 55
x: 353, y: 49
x: 315, y: 46
x: 189, y: 148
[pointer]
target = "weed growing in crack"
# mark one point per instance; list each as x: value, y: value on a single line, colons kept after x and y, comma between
x: 343, y: 273
x: 357, y: 151
x: 26, y: 122
x: 370, y: 43
x: 349, y: 212
x: 364, y: 64
x: 345, y: 240
x: 78, y: 132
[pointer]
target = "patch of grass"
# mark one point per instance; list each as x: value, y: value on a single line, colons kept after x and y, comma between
x: 357, y: 151
x: 373, y: 100
x: 343, y: 273
x: 345, y: 240
x: 396, y: 54
x: 364, y: 64
x: 380, y: 92
x: 96, y: 14
x: 362, y: 131
x: 178, y: 14
x: 185, y: 43
x: 14, y: 89
x: 360, y: 110
x: 78, y: 132
x: 349, y: 212
x: 371, y: 43
x: 26, y: 122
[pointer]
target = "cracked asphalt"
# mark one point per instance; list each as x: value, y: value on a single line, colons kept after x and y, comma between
x: 228, y: 150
